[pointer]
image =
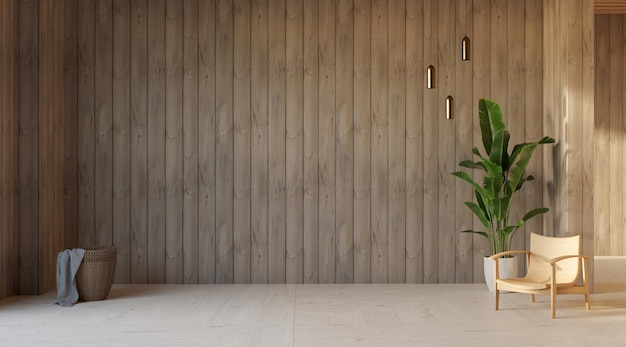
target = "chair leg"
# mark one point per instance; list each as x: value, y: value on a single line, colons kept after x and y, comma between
x: 496, y: 297
x: 553, y: 301
x: 587, y: 300
x: 532, y: 298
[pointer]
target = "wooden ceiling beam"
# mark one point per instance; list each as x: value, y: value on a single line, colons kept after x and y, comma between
x: 609, y: 6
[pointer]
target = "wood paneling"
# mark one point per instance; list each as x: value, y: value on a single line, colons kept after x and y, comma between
x: 567, y: 91
x: 8, y: 149
x: 291, y: 141
x: 610, y: 125
x: 50, y: 141
x: 609, y: 7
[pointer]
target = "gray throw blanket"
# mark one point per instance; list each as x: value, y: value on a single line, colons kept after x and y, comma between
x: 68, y: 262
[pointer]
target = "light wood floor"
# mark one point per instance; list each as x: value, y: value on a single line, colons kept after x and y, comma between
x: 319, y: 315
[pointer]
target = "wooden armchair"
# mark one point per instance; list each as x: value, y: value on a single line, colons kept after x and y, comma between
x: 554, y: 266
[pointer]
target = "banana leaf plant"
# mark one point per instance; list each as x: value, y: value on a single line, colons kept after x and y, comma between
x: 504, y: 175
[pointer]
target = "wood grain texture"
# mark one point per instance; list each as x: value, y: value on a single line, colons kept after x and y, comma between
x: 85, y: 123
x: 481, y: 86
x: 174, y: 141
x: 397, y: 141
x: 515, y: 112
x: 103, y: 123
x: 277, y: 76
x: 121, y: 139
x: 445, y: 147
x: 242, y: 142
x: 8, y: 149
x: 615, y: 133
x: 224, y: 142
x: 362, y: 138
x: 156, y: 142
x: 50, y: 142
x: 344, y: 151
x: 139, y: 142
x: 465, y: 115
x: 294, y: 142
x: 429, y: 146
x: 206, y: 142
x: 414, y: 141
x: 70, y: 83
x: 259, y: 171
x: 310, y: 143
x: 588, y: 133
x: 262, y: 141
x: 534, y: 99
x: 190, y: 142
x: 327, y: 164
x: 379, y: 143
x: 28, y: 106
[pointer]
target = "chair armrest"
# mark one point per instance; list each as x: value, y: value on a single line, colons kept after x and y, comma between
x: 504, y: 254
x: 557, y: 259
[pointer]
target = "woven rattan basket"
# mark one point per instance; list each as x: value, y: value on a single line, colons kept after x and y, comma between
x: 95, y: 274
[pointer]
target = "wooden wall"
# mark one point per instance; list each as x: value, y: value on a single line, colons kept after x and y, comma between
x: 8, y: 149
x: 288, y: 141
x: 610, y: 109
x: 40, y: 141
x: 569, y: 115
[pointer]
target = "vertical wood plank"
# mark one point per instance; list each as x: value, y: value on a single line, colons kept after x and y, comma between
x: 414, y: 137
x: 446, y: 233
x: 139, y: 142
x: 190, y: 142
x: 533, y: 102
x: 5, y: 85
x: 515, y: 108
x: 259, y: 170
x: 588, y: 130
x: 103, y: 117
x: 242, y: 142
x: 174, y: 142
x: 499, y: 66
x: 362, y: 136
x: 326, y: 108
x: 481, y: 86
x: 28, y: 143
x: 121, y: 138
x: 311, y: 149
x: 50, y: 151
x: 344, y: 157
x: 397, y: 141
x: 463, y: 104
x: 430, y: 173
x: 156, y: 142
x: 573, y: 173
x: 378, y: 143
x: 85, y: 123
x: 615, y: 133
x: 70, y: 82
x: 294, y: 142
x: 206, y: 141
x: 277, y: 94
x: 601, y: 111
x: 224, y: 145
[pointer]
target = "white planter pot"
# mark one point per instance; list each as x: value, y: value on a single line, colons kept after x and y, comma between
x: 507, y: 266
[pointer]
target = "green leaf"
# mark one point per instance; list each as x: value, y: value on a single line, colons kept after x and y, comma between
x: 490, y: 118
x: 480, y: 213
x: 481, y: 233
x: 498, y: 147
x: 472, y: 164
x: 534, y: 212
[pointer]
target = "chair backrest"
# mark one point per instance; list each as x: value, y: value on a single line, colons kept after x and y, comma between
x: 544, y: 248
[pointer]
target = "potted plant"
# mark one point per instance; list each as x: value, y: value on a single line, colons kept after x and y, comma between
x: 504, y: 175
